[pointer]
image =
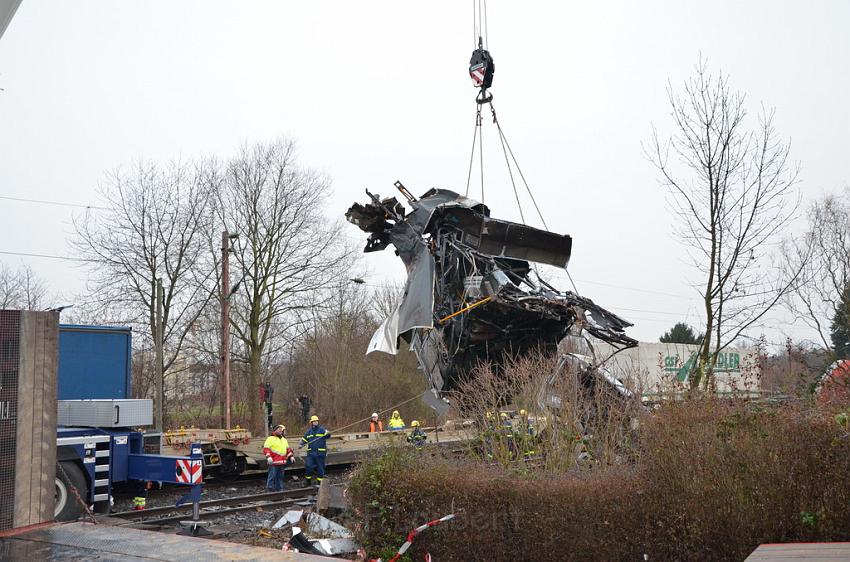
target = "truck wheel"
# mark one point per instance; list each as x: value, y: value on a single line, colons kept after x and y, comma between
x: 232, y: 464
x: 67, y: 507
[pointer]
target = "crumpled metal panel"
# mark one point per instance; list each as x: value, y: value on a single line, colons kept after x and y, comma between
x: 470, y: 295
x: 503, y: 239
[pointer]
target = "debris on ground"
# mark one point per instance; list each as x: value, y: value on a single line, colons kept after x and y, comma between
x: 291, y: 517
x: 300, y: 543
x: 336, y: 547
x: 323, y: 527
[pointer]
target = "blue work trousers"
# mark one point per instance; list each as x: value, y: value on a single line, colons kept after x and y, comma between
x: 275, y: 479
x: 314, y: 468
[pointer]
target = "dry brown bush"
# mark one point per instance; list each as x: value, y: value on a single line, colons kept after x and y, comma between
x: 590, y: 419
x: 713, y: 480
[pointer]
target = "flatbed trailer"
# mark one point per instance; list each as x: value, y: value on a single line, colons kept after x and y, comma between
x: 233, y: 451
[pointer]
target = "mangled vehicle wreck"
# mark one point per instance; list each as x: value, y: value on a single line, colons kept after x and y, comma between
x: 471, y: 293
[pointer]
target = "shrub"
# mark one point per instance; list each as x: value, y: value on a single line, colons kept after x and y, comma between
x: 711, y: 482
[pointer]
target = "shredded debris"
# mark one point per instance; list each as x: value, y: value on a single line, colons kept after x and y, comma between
x: 322, y: 527
x: 471, y: 294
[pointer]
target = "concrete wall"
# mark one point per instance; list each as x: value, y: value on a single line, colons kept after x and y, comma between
x: 28, y: 455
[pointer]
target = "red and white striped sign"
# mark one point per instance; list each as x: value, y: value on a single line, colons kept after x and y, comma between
x: 477, y: 74
x: 189, y: 472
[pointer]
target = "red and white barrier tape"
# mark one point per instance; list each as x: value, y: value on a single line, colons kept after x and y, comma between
x: 412, y: 535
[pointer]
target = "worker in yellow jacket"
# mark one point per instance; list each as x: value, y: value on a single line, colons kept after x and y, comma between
x: 278, y: 455
x: 395, y: 423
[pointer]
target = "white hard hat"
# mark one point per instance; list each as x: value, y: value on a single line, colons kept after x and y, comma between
x: 374, y: 414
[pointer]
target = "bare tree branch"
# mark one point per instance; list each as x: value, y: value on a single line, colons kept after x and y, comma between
x: 159, y: 217
x: 288, y: 255
x: 22, y: 289
x: 732, y: 191
x: 823, y: 255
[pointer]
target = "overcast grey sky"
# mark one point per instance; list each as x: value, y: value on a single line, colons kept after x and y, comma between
x: 378, y: 91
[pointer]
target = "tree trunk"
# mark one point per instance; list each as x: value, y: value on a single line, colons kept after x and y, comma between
x: 254, y: 414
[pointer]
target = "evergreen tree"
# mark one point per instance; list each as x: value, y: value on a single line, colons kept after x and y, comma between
x: 840, y: 328
x: 681, y: 333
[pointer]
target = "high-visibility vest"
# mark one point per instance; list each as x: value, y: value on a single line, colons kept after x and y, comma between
x: 396, y: 423
x: 375, y: 426
x: 277, y: 448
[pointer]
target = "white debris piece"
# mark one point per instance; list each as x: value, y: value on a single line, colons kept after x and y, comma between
x: 333, y: 547
x: 324, y: 527
x: 291, y: 517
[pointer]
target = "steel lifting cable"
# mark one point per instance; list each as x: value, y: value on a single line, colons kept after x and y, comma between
x: 486, y: 28
x: 474, y: 25
x: 335, y: 430
x: 506, y: 149
x: 481, y: 71
x: 481, y: 154
x: 472, y: 152
x: 521, y: 175
x: 507, y: 161
x: 477, y: 135
x: 506, y: 144
x: 480, y: 28
x: 483, y: 78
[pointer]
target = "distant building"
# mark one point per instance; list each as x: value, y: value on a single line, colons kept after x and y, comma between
x: 653, y: 368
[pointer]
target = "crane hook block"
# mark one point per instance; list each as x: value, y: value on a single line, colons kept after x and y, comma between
x: 481, y: 68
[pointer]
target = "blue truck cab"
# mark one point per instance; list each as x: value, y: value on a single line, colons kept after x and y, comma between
x: 94, y: 373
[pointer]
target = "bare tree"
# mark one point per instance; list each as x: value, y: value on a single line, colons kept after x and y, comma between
x: 330, y: 355
x: 385, y: 299
x: 155, y: 229
x: 21, y: 289
x: 9, y: 289
x: 288, y: 254
x: 823, y: 255
x: 732, y: 192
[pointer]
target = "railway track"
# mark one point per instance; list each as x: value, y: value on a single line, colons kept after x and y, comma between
x: 247, y: 476
x: 217, y: 507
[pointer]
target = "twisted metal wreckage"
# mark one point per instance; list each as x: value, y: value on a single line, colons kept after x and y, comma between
x: 470, y: 296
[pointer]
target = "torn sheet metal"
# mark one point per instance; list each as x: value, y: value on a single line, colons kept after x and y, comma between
x: 291, y: 517
x: 471, y: 294
x: 385, y: 337
x: 319, y: 526
x: 336, y: 547
x: 300, y: 543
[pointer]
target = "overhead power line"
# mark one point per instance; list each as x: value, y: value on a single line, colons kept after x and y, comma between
x: 49, y: 256
x: 651, y: 292
x: 56, y: 203
x: 67, y: 258
x: 680, y: 314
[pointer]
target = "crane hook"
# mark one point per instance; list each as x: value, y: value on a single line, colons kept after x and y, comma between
x: 481, y: 69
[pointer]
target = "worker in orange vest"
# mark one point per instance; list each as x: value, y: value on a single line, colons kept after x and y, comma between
x: 375, y: 425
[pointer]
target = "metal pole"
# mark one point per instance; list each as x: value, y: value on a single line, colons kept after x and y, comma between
x: 225, y: 324
x: 160, y: 393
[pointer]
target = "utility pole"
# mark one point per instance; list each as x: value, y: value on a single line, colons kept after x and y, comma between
x: 225, y: 325
x: 160, y: 394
